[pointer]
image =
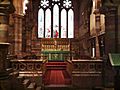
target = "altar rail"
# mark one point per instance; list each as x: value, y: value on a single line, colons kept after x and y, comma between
x: 29, y: 67
x: 89, y: 73
x: 87, y: 65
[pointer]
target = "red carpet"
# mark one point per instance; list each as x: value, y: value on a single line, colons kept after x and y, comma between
x: 56, y: 77
x: 56, y: 74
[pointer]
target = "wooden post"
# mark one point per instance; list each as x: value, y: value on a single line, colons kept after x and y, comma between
x: 97, y: 29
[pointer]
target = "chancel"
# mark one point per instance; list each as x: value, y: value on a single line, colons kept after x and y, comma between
x: 59, y: 45
x: 53, y: 50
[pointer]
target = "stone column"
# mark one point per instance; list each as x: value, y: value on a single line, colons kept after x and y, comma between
x: 111, y: 35
x: 111, y: 28
x: 3, y: 35
x: 118, y: 29
x: 5, y: 10
x: 3, y: 40
x: 3, y: 56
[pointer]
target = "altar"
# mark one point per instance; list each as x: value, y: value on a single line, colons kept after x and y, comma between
x: 55, y: 49
x: 56, y: 55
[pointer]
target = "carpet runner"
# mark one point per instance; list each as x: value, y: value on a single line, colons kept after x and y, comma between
x: 56, y: 74
x: 56, y: 77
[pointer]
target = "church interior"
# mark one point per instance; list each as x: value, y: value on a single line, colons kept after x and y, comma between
x: 59, y: 44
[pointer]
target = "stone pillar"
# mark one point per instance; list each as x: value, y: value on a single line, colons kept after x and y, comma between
x: 3, y: 35
x: 5, y: 9
x: 3, y: 40
x: 111, y: 28
x: 119, y: 29
x: 3, y: 56
x: 117, y: 80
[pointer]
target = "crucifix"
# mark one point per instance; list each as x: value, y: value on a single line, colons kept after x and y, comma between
x: 55, y: 43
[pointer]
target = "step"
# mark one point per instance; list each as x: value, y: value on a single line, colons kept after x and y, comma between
x: 56, y: 63
x: 39, y: 88
x: 108, y: 88
x: 20, y: 79
x: 99, y: 88
x: 15, y: 74
x: 58, y: 87
x: 56, y: 68
x: 26, y: 82
x: 30, y: 73
x: 9, y: 70
x: 31, y: 86
x: 68, y: 81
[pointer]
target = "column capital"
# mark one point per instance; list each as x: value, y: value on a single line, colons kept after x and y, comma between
x: 6, y: 7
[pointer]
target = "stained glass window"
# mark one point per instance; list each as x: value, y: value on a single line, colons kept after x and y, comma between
x: 48, y: 23
x: 40, y: 23
x: 55, y: 19
x: 70, y: 24
x: 67, y: 3
x: 63, y: 24
x: 44, y: 3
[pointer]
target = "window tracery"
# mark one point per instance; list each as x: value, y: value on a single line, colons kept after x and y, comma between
x: 57, y: 19
x: 44, y: 3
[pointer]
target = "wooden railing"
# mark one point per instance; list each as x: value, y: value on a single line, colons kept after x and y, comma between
x: 69, y: 67
x: 87, y: 66
x: 27, y: 67
x: 87, y: 73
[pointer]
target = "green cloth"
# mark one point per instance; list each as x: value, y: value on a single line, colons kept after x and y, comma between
x: 114, y: 59
x: 55, y: 52
x: 55, y: 55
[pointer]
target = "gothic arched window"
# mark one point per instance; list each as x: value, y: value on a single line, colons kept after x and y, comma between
x: 63, y: 24
x: 48, y: 23
x: 41, y: 23
x: 70, y: 24
x: 55, y: 19
x: 24, y: 5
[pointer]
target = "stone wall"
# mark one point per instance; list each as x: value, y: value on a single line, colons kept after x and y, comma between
x: 84, y: 21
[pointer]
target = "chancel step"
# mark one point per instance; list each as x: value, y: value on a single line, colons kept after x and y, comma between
x: 32, y: 86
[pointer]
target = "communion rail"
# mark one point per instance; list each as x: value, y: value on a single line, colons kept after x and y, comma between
x: 30, y: 67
